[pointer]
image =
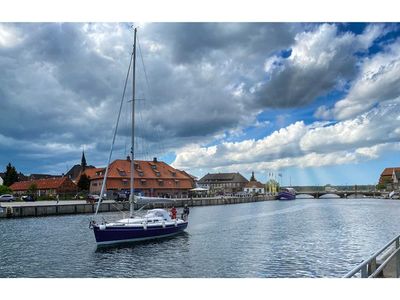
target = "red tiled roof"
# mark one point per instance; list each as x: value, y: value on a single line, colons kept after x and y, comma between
x: 42, y: 184
x: 254, y: 184
x: 151, y: 171
x: 91, y: 172
x: 389, y: 171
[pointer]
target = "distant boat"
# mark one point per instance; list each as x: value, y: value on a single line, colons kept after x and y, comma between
x: 286, y: 194
x: 157, y: 223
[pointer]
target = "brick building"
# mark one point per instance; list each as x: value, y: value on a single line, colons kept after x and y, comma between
x: 223, y: 183
x: 390, y: 178
x: 151, y: 178
x: 254, y: 186
x: 48, y: 186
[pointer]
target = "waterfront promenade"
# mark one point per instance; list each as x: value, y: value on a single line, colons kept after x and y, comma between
x: 48, y: 208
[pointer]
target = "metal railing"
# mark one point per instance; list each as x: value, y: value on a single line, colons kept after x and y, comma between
x: 369, y: 268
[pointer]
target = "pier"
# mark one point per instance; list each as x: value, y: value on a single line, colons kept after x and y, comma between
x: 51, y: 208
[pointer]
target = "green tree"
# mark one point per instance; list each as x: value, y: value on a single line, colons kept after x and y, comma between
x: 10, y: 175
x: 380, y: 186
x: 5, y: 190
x: 84, y: 183
x: 32, y: 189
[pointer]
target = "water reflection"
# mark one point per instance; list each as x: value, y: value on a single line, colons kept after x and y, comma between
x: 301, y: 238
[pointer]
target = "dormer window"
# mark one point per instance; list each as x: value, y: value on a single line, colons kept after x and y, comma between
x: 158, y: 174
x: 121, y: 172
x: 141, y: 173
x: 160, y: 182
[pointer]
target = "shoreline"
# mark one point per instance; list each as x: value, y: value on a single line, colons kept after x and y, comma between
x: 51, y: 208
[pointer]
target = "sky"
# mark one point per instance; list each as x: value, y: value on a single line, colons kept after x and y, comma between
x: 318, y: 103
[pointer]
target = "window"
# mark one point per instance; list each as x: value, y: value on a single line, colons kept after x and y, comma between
x: 121, y: 172
x: 161, y: 182
x: 143, y: 181
x: 158, y: 174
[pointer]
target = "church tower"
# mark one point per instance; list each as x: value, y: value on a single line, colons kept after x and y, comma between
x: 83, y: 161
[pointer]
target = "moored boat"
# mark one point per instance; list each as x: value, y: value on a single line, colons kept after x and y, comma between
x: 286, y: 194
x: 156, y: 223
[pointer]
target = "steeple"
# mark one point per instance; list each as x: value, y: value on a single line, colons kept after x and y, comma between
x: 83, y: 161
x: 252, y: 177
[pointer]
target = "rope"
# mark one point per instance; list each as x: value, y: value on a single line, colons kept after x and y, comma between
x: 113, y: 141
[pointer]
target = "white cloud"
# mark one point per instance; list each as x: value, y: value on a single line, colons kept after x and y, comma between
x: 319, y: 144
x: 320, y: 60
x: 9, y: 36
x: 378, y: 81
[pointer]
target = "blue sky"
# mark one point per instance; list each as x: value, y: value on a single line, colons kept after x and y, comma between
x: 316, y: 102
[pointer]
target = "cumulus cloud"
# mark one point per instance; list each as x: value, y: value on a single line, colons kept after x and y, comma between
x: 61, y: 82
x: 320, y: 59
x: 378, y: 81
x: 314, y: 145
x: 205, y: 82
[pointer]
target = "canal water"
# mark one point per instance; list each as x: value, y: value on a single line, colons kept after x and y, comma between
x: 301, y: 238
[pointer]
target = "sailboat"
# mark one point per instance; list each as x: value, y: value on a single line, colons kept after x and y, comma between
x: 156, y: 223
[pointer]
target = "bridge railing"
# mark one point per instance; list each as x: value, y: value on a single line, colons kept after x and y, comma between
x: 369, y: 268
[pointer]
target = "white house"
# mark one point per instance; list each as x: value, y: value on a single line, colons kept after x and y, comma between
x: 254, y: 186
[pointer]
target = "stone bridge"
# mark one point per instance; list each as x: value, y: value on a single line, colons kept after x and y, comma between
x: 342, y: 194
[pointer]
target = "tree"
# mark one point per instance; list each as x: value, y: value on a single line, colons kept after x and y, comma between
x: 32, y: 189
x: 84, y: 182
x: 380, y: 186
x: 5, y: 190
x: 10, y: 175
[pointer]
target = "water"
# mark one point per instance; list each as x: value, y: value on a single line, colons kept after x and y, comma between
x: 301, y: 238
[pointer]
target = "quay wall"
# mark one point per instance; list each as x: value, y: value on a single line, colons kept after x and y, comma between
x: 37, y: 210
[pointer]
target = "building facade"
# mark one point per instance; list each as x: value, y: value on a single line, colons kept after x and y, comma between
x: 46, y: 187
x: 223, y: 183
x: 77, y: 170
x: 151, y: 178
x: 254, y: 186
x: 388, y: 178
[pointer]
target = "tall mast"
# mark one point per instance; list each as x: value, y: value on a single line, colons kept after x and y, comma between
x: 132, y: 197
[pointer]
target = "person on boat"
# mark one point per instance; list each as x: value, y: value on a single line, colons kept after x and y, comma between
x: 185, y: 212
x: 173, y: 212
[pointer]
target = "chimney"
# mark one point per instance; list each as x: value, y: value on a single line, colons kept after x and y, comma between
x: 155, y: 159
x: 128, y: 158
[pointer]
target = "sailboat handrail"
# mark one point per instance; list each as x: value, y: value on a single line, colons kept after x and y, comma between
x: 113, y: 140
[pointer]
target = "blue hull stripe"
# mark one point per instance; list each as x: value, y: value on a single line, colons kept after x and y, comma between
x: 286, y: 196
x: 113, y: 235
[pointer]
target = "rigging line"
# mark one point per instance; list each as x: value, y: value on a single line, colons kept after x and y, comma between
x: 144, y: 68
x: 113, y: 140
